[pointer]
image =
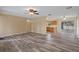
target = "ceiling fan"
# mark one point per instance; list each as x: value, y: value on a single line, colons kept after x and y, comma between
x: 32, y: 11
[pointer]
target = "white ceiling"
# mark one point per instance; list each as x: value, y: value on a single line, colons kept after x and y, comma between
x: 56, y: 11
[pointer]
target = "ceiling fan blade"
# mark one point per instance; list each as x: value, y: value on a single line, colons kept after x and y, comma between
x: 36, y: 13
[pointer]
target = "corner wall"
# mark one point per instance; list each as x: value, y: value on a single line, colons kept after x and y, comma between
x: 78, y: 27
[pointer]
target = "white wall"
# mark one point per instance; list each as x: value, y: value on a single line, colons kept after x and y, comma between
x: 39, y: 25
x: 11, y: 25
x: 78, y: 27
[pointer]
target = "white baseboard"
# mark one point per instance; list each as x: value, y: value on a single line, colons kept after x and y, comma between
x: 6, y: 35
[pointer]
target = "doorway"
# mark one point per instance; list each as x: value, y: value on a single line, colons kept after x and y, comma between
x: 51, y: 26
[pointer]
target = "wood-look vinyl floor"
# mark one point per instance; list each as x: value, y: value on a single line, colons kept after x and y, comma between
x: 33, y: 42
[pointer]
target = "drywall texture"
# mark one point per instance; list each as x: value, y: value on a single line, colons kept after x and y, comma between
x: 10, y: 25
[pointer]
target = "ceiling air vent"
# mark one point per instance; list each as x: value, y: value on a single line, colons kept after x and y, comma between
x: 69, y: 7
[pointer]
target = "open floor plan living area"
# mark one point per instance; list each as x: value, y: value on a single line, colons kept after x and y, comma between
x: 39, y: 28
